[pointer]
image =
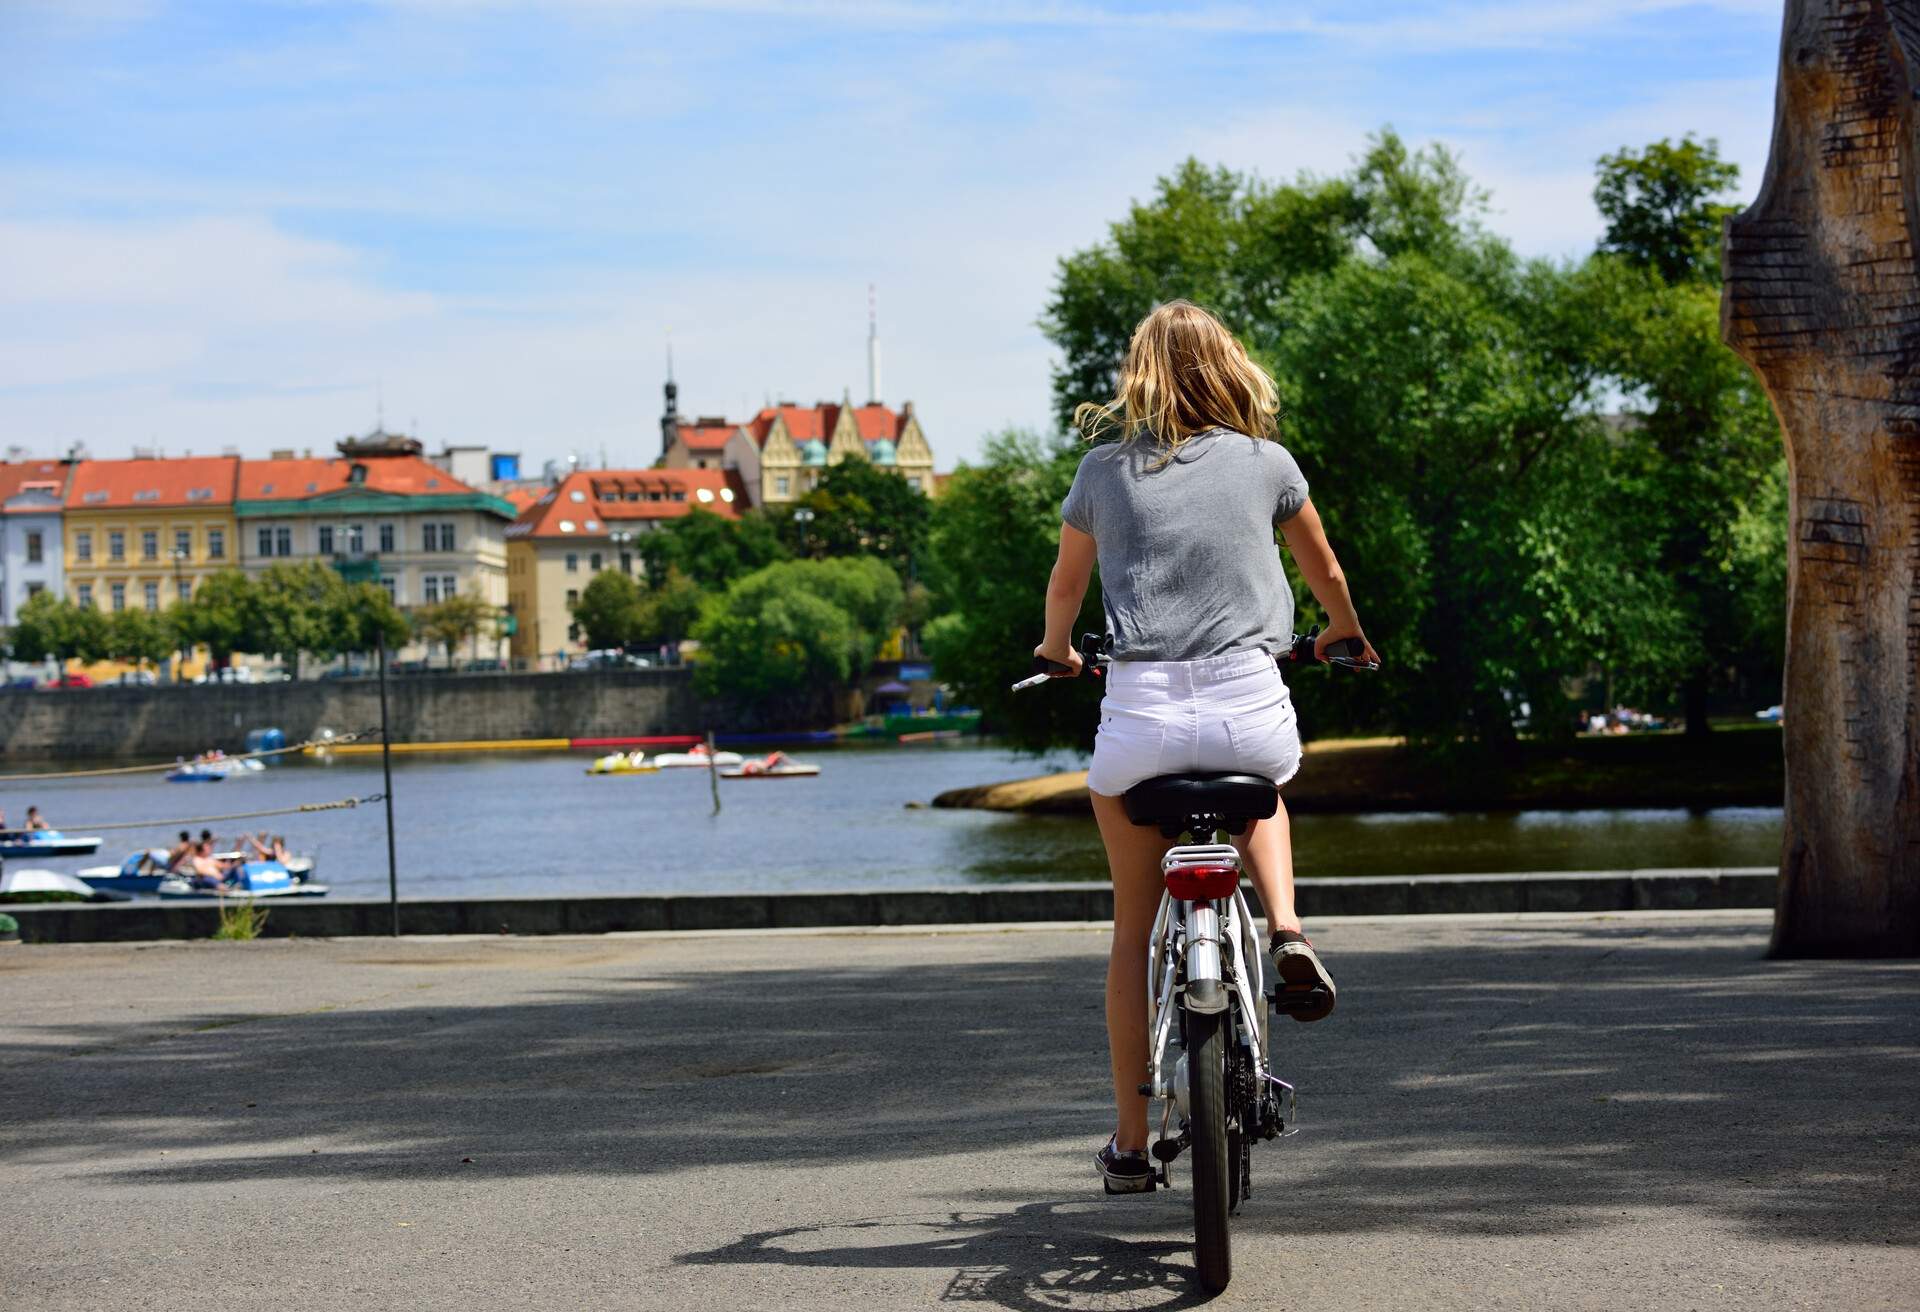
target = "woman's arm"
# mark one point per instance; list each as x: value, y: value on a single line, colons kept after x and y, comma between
x: 1066, y: 589
x: 1307, y: 540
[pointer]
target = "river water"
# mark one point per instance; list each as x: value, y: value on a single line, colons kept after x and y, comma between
x: 536, y: 823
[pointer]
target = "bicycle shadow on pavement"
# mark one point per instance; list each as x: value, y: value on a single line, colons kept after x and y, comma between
x: 1038, y: 1257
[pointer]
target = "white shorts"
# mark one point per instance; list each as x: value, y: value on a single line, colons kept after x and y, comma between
x: 1229, y: 713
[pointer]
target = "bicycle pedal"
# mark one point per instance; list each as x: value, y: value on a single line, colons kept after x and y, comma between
x: 1146, y: 1186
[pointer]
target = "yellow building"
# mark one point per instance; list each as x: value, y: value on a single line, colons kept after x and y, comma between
x: 144, y: 533
x: 594, y: 520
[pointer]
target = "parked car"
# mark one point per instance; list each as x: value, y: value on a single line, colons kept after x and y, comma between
x: 483, y: 666
x: 228, y: 674
x: 68, y: 681
x: 24, y: 682
x: 609, y: 659
x: 137, y: 678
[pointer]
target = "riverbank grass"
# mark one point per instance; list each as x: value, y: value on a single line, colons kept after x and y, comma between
x: 240, y: 921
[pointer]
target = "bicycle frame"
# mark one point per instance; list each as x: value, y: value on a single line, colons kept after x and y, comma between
x: 1201, y: 943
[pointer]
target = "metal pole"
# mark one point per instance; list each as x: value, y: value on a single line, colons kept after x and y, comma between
x: 713, y: 773
x: 386, y: 769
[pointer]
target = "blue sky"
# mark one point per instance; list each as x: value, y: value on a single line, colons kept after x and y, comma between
x: 249, y: 225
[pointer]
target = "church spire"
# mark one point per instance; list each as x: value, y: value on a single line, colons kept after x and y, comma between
x: 670, y: 417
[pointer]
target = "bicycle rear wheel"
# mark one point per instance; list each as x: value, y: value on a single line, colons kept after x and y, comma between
x: 1213, y: 1164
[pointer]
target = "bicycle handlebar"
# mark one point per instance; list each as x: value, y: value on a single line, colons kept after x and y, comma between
x: 1347, y: 653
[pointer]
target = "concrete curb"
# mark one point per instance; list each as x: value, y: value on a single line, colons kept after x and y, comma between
x: 1608, y: 890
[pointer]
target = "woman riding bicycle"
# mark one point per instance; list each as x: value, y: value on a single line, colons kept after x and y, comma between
x: 1180, y: 512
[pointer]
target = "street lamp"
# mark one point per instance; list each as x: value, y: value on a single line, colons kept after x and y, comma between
x: 622, y: 539
x: 179, y: 594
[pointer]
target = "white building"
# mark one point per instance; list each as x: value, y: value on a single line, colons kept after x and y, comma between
x: 31, y: 494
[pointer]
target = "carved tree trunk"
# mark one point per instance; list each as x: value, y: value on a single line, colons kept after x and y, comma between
x: 1823, y: 300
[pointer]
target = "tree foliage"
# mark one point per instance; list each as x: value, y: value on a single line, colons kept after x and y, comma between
x: 994, y: 531
x: 609, y: 610
x: 792, y: 631
x: 1448, y: 400
x: 858, y: 509
x: 451, y: 621
x: 713, y: 550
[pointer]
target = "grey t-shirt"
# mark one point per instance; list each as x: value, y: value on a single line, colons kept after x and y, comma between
x: 1188, y: 564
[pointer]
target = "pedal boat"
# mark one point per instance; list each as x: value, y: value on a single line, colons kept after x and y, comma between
x: 623, y: 763
x: 777, y: 766
x: 697, y: 756
x: 43, y: 843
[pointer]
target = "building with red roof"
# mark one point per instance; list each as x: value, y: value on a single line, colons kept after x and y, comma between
x: 395, y: 519
x: 594, y: 520
x: 31, y: 494
x: 781, y: 452
x: 145, y: 532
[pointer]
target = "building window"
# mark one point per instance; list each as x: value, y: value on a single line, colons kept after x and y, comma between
x: 83, y: 546
x: 593, y: 562
x: 439, y: 537
x: 117, y: 597
x: 216, y: 544
x: 283, y: 541
x: 150, y: 544
x: 782, y: 485
x: 35, y: 589
x: 626, y: 562
x: 387, y: 581
x: 183, y: 543
x: 184, y: 589
x: 356, y: 539
x: 441, y: 587
x: 573, y: 596
x: 116, y: 544
x: 266, y: 542
x: 386, y: 537
x: 430, y: 587
x: 84, y: 595
x: 150, y: 596
x: 326, y: 540
x: 36, y: 546
x: 573, y: 562
x: 913, y: 481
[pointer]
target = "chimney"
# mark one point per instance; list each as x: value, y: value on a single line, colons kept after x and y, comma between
x: 873, y: 346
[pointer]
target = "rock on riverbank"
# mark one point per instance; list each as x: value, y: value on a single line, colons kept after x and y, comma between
x: 1734, y: 767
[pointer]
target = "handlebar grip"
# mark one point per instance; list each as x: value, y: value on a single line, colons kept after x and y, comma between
x: 1350, y: 648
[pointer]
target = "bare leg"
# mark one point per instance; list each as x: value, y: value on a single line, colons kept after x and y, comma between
x: 1266, y: 852
x: 1133, y: 855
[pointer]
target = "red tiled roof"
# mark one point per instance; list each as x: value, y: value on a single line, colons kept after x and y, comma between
x: 875, y: 422
x: 707, y: 437
x: 803, y: 423
x: 590, y: 501
x: 293, y: 480
x: 30, y: 476
x: 144, y: 484
x: 809, y: 422
x: 522, y: 497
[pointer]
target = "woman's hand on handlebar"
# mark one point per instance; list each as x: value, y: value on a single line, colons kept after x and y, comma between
x: 1337, y: 633
x: 1062, y: 655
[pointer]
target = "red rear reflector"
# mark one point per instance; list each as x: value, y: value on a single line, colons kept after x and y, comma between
x: 1202, y: 883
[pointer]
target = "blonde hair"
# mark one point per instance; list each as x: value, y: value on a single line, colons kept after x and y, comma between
x: 1184, y: 374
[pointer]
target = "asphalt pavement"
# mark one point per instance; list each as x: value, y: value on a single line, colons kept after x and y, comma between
x: 1623, y: 1111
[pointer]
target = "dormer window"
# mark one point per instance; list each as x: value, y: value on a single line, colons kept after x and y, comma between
x: 147, y: 494
x: 356, y: 477
x: 577, y: 495
x: 200, y: 494
x: 94, y: 498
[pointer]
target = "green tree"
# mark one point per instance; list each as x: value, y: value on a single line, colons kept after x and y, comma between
x: 669, y: 610
x: 1661, y: 207
x: 786, y: 635
x: 995, y: 530
x: 51, y: 628
x: 858, y: 509
x: 363, y: 616
x: 219, y: 616
x: 609, y: 610
x: 451, y: 621
x: 1701, y: 455
x: 711, y: 549
x: 140, y: 637
x: 1238, y: 245
x: 293, y: 609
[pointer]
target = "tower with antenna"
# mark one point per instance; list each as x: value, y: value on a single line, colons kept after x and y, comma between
x: 873, y: 346
x: 670, y: 417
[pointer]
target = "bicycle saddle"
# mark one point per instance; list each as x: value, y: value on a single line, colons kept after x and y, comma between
x: 1172, y: 799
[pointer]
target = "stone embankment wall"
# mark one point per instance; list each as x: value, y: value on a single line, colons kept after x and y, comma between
x: 177, y: 721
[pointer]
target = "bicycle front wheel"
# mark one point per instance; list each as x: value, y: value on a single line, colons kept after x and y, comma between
x: 1213, y: 1165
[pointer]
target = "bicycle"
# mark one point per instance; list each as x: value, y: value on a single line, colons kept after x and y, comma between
x: 1205, y: 971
